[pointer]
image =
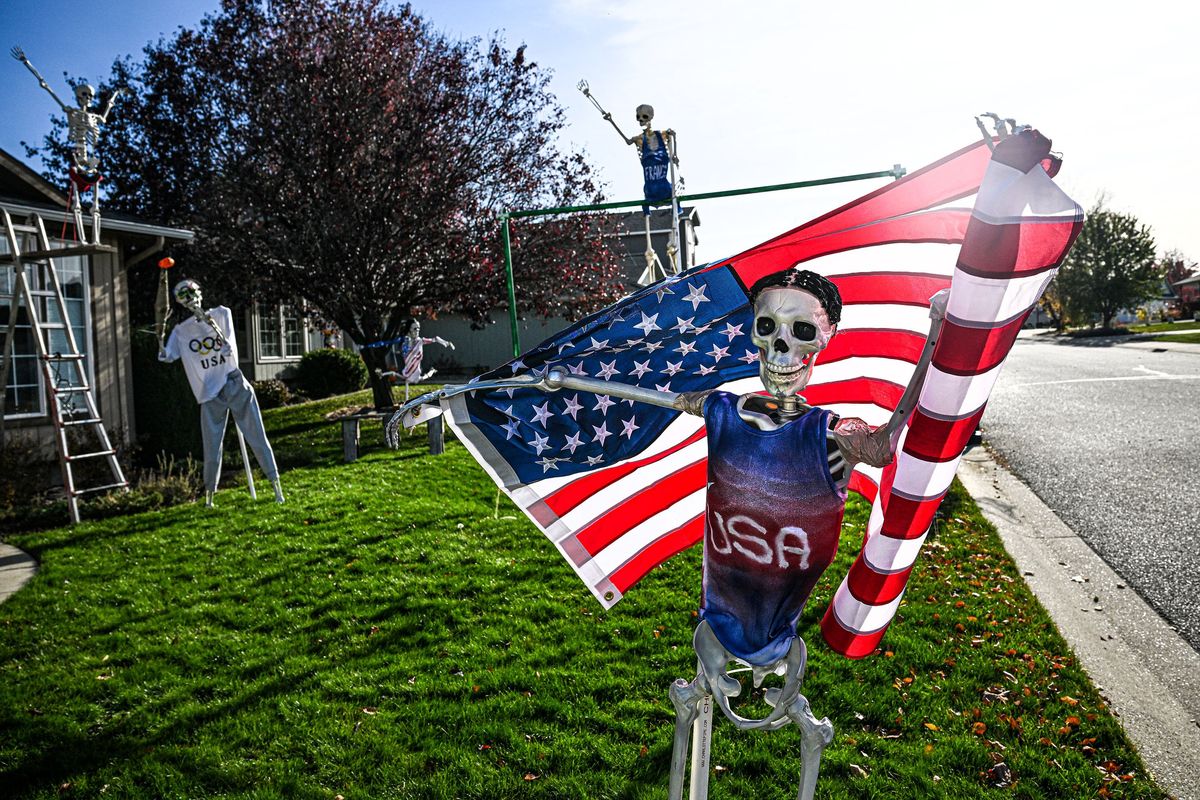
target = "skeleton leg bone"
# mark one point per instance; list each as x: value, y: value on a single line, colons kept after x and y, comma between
x: 686, y: 697
x: 77, y: 212
x: 815, y: 736
x: 96, y: 213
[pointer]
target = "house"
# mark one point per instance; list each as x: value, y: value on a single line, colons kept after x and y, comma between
x: 97, y: 299
x: 477, y: 351
x: 1188, y: 292
x: 272, y: 338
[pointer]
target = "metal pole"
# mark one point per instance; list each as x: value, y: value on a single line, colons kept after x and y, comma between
x: 508, y: 274
x: 895, y: 172
x: 245, y: 462
x: 701, y: 750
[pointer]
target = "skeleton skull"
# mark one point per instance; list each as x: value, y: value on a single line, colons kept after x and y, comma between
x: 645, y: 113
x: 84, y: 95
x: 187, y: 294
x: 790, y: 328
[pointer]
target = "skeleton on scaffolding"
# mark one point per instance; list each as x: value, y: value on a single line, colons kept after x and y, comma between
x: 658, y: 155
x: 83, y: 133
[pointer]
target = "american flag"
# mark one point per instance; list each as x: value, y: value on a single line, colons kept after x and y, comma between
x: 618, y: 487
x: 413, y: 351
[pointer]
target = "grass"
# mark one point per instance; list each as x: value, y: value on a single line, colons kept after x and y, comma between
x: 1170, y: 329
x: 392, y: 632
x: 1160, y: 327
x: 1185, y: 338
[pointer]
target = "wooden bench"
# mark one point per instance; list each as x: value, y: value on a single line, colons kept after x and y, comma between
x: 351, y: 429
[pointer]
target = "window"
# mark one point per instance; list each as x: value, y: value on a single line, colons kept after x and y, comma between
x: 281, y: 332
x: 24, y: 394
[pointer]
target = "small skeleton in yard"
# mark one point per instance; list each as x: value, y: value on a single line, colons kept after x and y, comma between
x: 412, y: 352
x: 83, y: 134
x: 777, y: 471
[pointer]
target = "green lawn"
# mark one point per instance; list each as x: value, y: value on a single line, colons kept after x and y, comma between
x: 1160, y: 327
x: 1172, y: 331
x: 1185, y: 338
x: 391, y: 632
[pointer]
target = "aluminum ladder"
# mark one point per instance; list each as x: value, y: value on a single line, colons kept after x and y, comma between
x: 64, y: 374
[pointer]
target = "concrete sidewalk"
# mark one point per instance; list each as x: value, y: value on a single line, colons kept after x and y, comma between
x: 16, y: 568
x: 1148, y: 674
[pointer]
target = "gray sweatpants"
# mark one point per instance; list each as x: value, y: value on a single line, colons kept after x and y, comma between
x: 236, y: 397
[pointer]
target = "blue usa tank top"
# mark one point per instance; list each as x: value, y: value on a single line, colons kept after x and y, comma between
x: 771, y: 529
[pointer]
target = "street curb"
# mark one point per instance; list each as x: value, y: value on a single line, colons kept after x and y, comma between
x: 16, y: 568
x: 1146, y: 672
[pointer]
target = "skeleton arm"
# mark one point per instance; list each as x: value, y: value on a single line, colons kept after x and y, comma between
x: 877, y: 447
x: 437, y: 340
x: 19, y: 55
x: 112, y: 98
x: 587, y: 92
x: 553, y: 381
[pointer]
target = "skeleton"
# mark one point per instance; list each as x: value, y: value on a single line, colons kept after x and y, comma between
x: 792, y: 325
x: 412, y: 353
x: 189, y: 295
x: 83, y: 134
x: 644, y: 142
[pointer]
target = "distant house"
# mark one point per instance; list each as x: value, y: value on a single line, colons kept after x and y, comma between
x: 1188, y: 291
x: 477, y: 351
x: 97, y: 300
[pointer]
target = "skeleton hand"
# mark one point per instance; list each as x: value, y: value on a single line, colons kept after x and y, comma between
x: 937, y: 304
x: 860, y: 443
x: 18, y: 54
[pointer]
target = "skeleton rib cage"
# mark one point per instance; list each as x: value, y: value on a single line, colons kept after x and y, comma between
x: 71, y: 401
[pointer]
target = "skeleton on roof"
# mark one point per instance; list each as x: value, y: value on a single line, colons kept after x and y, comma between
x: 83, y: 134
x: 659, y: 158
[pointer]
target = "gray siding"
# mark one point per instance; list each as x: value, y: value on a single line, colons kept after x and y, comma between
x: 112, y: 361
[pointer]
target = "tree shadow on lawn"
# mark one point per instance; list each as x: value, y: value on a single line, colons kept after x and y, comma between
x: 78, y: 752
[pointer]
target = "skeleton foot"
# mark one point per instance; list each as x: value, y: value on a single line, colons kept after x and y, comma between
x: 208, y: 500
x: 815, y: 736
x: 278, y: 487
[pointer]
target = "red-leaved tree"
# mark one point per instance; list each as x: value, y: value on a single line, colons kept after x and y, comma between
x: 345, y: 153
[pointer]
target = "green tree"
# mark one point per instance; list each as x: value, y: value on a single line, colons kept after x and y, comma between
x: 348, y: 153
x: 1110, y: 267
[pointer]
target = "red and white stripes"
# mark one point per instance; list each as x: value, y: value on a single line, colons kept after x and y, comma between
x: 1020, y: 230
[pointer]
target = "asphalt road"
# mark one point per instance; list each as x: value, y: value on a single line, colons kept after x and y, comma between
x: 1109, y: 438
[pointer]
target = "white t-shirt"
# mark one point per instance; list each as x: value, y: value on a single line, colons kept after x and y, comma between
x: 206, y: 366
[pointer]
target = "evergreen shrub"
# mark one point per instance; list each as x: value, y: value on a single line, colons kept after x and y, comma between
x: 327, y: 372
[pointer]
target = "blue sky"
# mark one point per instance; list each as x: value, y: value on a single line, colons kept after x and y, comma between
x: 776, y: 91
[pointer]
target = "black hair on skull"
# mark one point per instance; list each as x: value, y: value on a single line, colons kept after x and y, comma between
x: 818, y: 286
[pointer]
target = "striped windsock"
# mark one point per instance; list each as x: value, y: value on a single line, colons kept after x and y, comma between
x: 1020, y: 230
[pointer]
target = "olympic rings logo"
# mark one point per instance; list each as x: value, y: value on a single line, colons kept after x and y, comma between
x: 206, y: 345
